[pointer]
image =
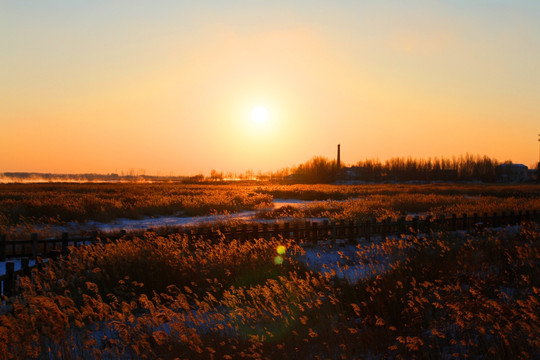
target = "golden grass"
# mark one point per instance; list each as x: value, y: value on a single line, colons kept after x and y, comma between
x: 161, y: 297
x: 394, y: 206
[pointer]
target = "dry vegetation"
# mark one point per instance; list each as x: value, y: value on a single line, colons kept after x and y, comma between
x: 394, y: 206
x: 24, y: 205
x: 29, y: 208
x: 29, y: 204
x: 444, y: 296
x: 347, y: 202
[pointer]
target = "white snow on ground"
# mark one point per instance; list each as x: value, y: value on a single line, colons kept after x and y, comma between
x: 18, y: 264
x: 164, y: 221
x: 169, y: 221
x: 75, y: 228
x: 156, y: 222
x: 349, y: 262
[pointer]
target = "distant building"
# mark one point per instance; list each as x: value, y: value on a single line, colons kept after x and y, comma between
x: 532, y: 174
x: 512, y: 173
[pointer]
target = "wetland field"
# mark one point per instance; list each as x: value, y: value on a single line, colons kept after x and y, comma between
x: 438, y: 295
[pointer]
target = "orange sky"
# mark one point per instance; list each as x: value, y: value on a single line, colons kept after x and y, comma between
x: 169, y: 88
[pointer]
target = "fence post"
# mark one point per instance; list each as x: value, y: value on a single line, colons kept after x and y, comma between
x: 464, y: 221
x: 9, y: 283
x: 351, y: 231
x: 512, y: 218
x: 442, y: 223
x: 368, y: 229
x: 333, y: 232
x: 315, y: 232
x: 286, y: 230
x: 429, y: 224
x: 296, y: 232
x: 25, y: 265
x: 402, y: 225
x: 54, y: 255
x: 454, y: 222
x: 34, y: 238
x: 415, y: 224
x: 3, y: 244
x: 65, y: 242
x: 383, y: 229
x: 324, y: 230
x: 486, y: 217
x: 280, y: 230
x: 95, y: 236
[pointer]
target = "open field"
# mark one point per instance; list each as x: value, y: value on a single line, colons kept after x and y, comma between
x: 22, y: 206
x: 446, y: 294
x: 442, y: 296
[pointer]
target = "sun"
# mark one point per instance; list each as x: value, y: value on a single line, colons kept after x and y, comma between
x: 259, y: 114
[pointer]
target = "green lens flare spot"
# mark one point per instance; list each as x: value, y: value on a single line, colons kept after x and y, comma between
x: 281, y: 249
x: 278, y: 260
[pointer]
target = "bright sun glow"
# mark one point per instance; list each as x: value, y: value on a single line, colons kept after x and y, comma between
x: 259, y: 114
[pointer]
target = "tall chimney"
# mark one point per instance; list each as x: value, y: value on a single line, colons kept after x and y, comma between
x: 338, y: 157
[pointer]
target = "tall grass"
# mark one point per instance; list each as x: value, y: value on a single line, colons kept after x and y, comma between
x: 404, y: 204
x: 24, y: 205
x: 441, y: 296
x: 59, y: 203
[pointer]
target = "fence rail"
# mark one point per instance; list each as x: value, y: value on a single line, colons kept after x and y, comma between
x: 307, y: 232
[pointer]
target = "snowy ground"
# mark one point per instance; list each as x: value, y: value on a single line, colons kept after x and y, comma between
x: 155, y: 222
x: 350, y: 262
x: 167, y: 221
x: 18, y: 264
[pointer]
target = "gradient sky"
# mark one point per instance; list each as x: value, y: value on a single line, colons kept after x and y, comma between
x: 169, y: 86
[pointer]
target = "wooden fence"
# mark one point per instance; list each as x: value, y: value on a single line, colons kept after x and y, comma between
x: 305, y: 232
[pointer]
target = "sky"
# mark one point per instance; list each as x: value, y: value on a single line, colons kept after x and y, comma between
x: 168, y: 87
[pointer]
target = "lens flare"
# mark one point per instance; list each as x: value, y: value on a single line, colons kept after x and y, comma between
x: 281, y: 249
x: 278, y: 260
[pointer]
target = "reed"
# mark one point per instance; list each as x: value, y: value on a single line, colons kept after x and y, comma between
x: 445, y: 295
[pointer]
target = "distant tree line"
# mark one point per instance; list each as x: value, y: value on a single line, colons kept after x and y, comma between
x: 462, y: 168
x: 319, y: 170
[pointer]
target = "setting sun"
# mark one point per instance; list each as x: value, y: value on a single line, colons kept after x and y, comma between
x: 259, y: 114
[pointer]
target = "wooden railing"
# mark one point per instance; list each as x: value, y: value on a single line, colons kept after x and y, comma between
x: 304, y: 232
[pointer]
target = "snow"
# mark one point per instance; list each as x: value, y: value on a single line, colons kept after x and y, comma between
x: 348, y: 262
x: 18, y: 266
x: 173, y: 221
x: 155, y: 222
